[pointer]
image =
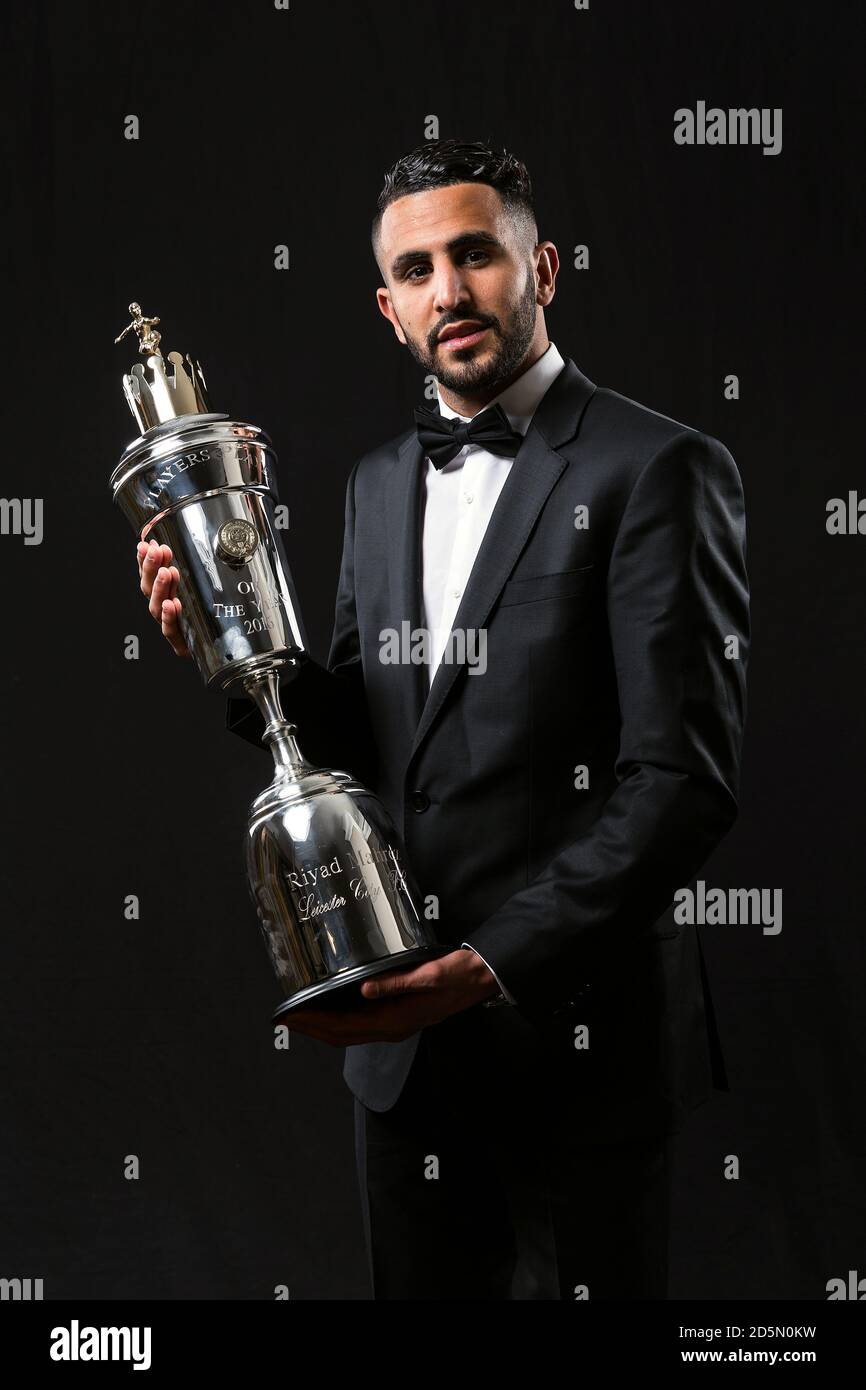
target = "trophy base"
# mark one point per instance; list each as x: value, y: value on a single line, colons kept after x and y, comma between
x: 343, y: 991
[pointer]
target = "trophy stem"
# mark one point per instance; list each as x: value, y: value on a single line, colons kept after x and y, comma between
x: 264, y: 688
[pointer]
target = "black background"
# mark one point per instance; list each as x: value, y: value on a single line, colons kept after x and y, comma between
x: 260, y: 127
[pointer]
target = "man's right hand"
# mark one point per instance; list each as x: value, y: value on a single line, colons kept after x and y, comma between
x: 159, y: 581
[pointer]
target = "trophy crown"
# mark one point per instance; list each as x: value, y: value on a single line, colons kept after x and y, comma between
x: 156, y: 392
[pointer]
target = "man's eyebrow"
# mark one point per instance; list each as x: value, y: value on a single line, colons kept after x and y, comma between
x: 457, y: 243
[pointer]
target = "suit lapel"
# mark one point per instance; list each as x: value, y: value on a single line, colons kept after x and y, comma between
x: 404, y: 517
x: 535, y: 470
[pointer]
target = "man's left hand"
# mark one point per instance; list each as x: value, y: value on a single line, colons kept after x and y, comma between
x: 395, y: 1005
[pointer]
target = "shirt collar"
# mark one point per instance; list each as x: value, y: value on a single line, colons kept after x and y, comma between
x: 521, y: 399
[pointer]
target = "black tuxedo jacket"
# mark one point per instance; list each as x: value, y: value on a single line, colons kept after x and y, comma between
x: 609, y: 647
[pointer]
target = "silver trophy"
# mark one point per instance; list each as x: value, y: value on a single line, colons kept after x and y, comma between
x: 325, y: 868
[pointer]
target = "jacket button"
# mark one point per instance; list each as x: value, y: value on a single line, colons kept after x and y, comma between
x: 419, y: 801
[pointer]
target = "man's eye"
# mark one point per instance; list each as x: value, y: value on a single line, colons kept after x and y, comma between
x: 410, y: 275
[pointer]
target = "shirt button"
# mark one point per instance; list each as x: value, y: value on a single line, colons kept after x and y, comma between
x: 468, y: 496
x: 419, y: 801
x: 457, y: 593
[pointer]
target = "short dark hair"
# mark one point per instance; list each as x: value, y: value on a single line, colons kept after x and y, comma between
x: 439, y: 163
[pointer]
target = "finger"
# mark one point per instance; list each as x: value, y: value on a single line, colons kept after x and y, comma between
x: 144, y: 548
x: 334, y: 1037
x: 144, y: 552
x: 399, y: 982
x: 389, y: 1021
x: 174, y: 580
x: 160, y: 591
x: 351, y: 1037
x: 325, y: 1028
x: 339, y: 1027
x: 149, y: 564
x: 171, y: 627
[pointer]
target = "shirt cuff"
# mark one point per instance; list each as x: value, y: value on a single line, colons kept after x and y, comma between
x: 509, y: 997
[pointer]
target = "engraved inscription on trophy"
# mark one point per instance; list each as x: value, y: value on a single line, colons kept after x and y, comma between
x: 174, y: 466
x: 260, y: 620
x: 302, y: 881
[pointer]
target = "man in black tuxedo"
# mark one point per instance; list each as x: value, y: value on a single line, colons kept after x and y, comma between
x: 556, y: 775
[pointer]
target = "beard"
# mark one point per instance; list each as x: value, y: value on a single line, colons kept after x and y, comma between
x: 473, y: 374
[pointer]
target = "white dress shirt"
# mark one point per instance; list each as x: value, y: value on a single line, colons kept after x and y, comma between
x: 458, y: 503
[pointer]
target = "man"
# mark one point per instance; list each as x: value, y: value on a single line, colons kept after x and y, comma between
x: 553, y: 796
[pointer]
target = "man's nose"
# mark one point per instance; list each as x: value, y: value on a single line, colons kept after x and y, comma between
x: 449, y: 289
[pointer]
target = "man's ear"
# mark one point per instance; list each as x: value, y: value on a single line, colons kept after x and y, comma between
x: 547, y: 268
x: 383, y: 299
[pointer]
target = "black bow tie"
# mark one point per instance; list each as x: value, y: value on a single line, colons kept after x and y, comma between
x: 442, y: 439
